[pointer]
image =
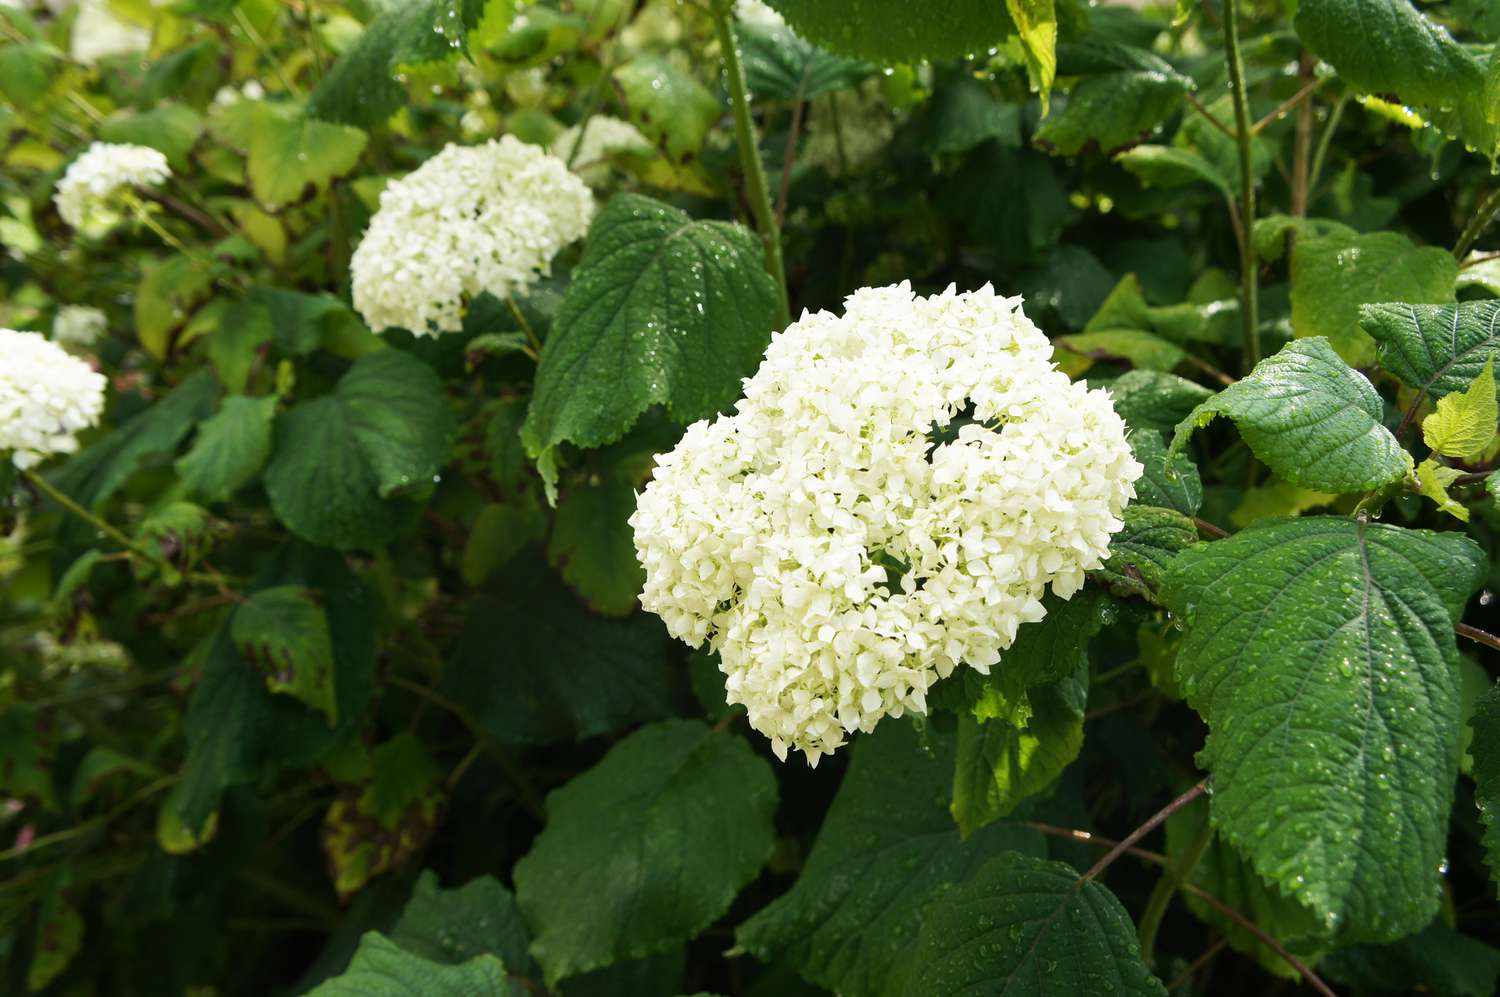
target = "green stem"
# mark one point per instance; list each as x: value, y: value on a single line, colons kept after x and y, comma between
x: 1172, y: 877
x: 1482, y: 217
x: 46, y: 488
x: 1248, y: 293
x: 755, y: 172
x: 1325, y: 141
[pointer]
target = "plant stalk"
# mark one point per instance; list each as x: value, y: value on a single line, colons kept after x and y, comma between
x: 1487, y: 208
x: 1248, y: 292
x: 1172, y: 878
x: 755, y: 172
x: 46, y: 488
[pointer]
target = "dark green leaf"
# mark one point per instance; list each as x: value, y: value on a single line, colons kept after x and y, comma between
x: 452, y: 926
x: 889, y: 31
x: 1114, y: 108
x: 886, y: 846
x: 1025, y: 926
x: 1436, y: 960
x: 1321, y: 653
x: 968, y: 113
x: 1485, y: 749
x: 1312, y: 418
x: 282, y: 631
x: 230, y: 448
x: 662, y: 310
x: 381, y: 968
x: 781, y: 66
x: 1437, y: 349
x: 1141, y: 552
x: 173, y: 129
x: 593, y: 546
x: 1170, y: 482
x: 341, y: 462
x: 1154, y: 401
x: 668, y: 826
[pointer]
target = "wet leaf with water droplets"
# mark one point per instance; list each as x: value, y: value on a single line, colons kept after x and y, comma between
x: 1436, y: 349
x: 381, y: 968
x: 1485, y: 750
x: 1321, y: 653
x: 892, y: 31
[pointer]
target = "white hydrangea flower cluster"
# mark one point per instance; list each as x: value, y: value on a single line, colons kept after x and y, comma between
x: 838, y: 558
x: 79, y: 326
x: 46, y: 397
x: 603, y: 137
x: 471, y: 219
x: 87, y: 195
x: 757, y: 12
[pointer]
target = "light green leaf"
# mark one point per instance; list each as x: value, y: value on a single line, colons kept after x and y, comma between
x: 1124, y: 96
x: 1036, y: 24
x: 668, y: 105
x: 1485, y: 749
x: 230, y: 448
x: 1436, y: 349
x: 1170, y: 482
x: 389, y: 820
x: 284, y: 634
x: 1144, y: 350
x: 1335, y: 272
x: 1313, y: 420
x: 1169, y: 167
x: 341, y: 462
x: 1141, y: 552
x: 593, y: 546
x: 288, y: 152
x: 890, y: 31
x: 169, y: 291
x: 59, y: 932
x: 781, y: 66
x: 1320, y: 651
x: 1276, y: 498
x: 1027, y: 927
x: 26, y: 73
x: 454, y: 926
x: 662, y: 310
x: 849, y: 920
x: 170, y: 128
x: 381, y: 968
x: 506, y: 669
x: 1463, y: 424
x: 670, y: 825
x: 1389, y: 47
x: 1001, y: 764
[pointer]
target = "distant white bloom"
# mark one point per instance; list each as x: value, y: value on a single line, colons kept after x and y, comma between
x: 78, y: 325
x: 839, y: 558
x: 88, y: 195
x: 603, y: 137
x: 472, y: 123
x: 46, y: 397
x: 470, y: 219
x: 252, y: 90
x: 757, y: 12
x: 865, y: 125
x: 98, y: 33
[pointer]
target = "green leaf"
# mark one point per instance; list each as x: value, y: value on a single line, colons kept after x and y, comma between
x: 1126, y: 95
x: 1276, y: 498
x: 288, y: 152
x: 1485, y: 749
x: 669, y: 106
x: 891, y: 31
x: 1335, y: 272
x: 1036, y: 24
x: 670, y: 825
x: 98, y: 472
x: 284, y: 634
x: 1389, y: 47
x: 59, y: 932
x: 341, y: 462
x: 662, y: 310
x: 1170, y: 167
x: 1464, y: 422
x: 179, y: 533
x: 498, y: 534
x: 967, y: 113
x: 367, y: 83
x: 170, y: 128
x: 886, y: 846
x: 1436, y: 960
x: 26, y: 73
x: 230, y: 448
x: 1320, y: 651
x: 1025, y: 926
x: 381, y: 968
x: 370, y: 831
x: 1154, y: 401
x: 781, y: 66
x: 1223, y: 872
x: 26, y: 755
x: 1436, y: 349
x: 1170, y: 482
x: 1140, y: 554
x: 301, y: 322
x: 507, y: 667
x: 1141, y: 349
x: 593, y: 546
x: 454, y: 926
x: 1311, y: 418
x: 1001, y: 764
x: 169, y: 291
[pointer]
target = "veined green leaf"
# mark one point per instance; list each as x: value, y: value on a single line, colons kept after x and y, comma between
x: 1463, y: 425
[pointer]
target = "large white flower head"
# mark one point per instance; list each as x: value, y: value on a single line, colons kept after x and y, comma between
x: 88, y: 195
x: 839, y: 555
x: 471, y: 219
x: 46, y: 397
x: 79, y: 326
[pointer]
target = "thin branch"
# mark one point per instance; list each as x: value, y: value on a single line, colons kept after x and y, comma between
x: 1478, y: 636
x: 1249, y: 296
x: 1204, y: 526
x: 1207, y: 368
x: 1150, y: 825
x: 1474, y: 261
x: 1198, y: 106
x: 1286, y: 106
x: 1325, y: 142
x: 1482, y: 217
x: 789, y: 160
x: 1197, y: 964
